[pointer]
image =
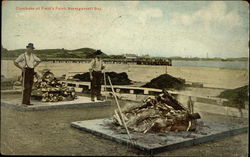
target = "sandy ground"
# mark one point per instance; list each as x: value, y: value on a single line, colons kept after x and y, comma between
x: 49, y: 133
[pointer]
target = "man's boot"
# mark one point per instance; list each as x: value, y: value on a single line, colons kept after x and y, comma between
x: 92, y: 98
x: 99, y: 97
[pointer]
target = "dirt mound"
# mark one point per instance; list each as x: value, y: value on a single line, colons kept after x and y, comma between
x: 116, y: 78
x: 166, y: 81
x: 160, y: 114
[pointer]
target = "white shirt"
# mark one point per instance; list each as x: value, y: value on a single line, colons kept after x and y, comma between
x: 96, y: 65
x: 27, y: 60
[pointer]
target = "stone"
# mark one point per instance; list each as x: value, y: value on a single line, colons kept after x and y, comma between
x: 155, y: 143
x: 80, y: 102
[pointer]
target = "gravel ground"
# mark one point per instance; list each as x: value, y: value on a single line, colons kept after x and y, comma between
x: 49, y: 133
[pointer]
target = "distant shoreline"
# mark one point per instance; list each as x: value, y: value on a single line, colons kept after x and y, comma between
x: 176, y: 59
x: 229, y: 64
x: 88, y: 53
x: 213, y: 59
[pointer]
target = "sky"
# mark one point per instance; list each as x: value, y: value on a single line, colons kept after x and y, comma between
x: 156, y: 28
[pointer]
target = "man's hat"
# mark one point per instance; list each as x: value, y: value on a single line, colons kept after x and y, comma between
x: 98, y: 52
x: 30, y: 45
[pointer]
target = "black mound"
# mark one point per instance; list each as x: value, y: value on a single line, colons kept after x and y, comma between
x: 166, y: 81
x: 116, y: 78
x: 236, y: 96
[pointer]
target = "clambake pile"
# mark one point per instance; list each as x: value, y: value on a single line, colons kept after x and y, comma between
x: 49, y: 89
x: 116, y: 78
x: 166, y: 81
x: 158, y: 115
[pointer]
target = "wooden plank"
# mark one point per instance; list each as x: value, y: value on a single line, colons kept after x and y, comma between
x: 146, y: 91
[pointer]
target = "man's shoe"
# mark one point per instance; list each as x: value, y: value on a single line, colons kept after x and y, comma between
x: 92, y: 99
x: 100, y: 99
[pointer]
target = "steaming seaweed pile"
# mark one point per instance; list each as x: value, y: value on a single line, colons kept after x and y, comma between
x: 237, y: 96
x: 49, y: 89
x: 157, y: 115
x: 116, y: 78
x: 166, y: 81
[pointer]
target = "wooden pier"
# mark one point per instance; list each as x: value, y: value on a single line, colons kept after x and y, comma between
x: 113, y: 61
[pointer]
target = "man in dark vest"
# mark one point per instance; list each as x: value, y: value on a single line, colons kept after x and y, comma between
x: 28, y: 62
x: 96, y: 67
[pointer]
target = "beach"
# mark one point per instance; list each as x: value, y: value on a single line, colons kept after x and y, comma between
x: 49, y: 133
x: 209, y: 77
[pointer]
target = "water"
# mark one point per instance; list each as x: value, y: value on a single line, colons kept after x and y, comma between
x: 213, y: 64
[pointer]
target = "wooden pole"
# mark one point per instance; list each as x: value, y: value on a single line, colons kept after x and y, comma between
x: 105, y: 83
x: 119, y: 108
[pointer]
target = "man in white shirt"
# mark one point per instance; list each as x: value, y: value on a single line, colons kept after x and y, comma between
x: 96, y: 67
x: 29, y: 62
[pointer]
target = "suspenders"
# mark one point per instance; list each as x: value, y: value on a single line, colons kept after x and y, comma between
x: 100, y: 62
x: 26, y: 65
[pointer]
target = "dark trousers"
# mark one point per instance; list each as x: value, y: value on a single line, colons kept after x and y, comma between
x: 96, y: 84
x: 28, y: 76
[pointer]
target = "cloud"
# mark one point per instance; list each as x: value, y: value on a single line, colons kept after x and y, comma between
x: 215, y: 12
x: 133, y: 9
x: 131, y: 4
x: 128, y: 27
x: 181, y: 19
x: 147, y: 14
x: 232, y: 19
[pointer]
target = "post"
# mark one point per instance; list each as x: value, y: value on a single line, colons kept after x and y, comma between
x: 67, y: 76
x: 105, y: 84
x: 190, y: 105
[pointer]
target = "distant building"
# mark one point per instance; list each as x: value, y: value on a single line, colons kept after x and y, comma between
x: 145, y: 56
x: 117, y: 56
x: 130, y: 56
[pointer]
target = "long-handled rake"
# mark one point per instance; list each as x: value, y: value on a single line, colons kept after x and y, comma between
x: 119, y: 108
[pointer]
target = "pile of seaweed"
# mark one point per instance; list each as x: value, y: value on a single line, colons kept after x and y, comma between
x: 47, y: 88
x: 157, y: 115
x: 237, y: 96
x: 116, y: 78
x: 166, y: 81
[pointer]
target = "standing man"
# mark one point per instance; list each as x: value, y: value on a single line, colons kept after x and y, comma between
x: 29, y: 62
x: 96, y: 67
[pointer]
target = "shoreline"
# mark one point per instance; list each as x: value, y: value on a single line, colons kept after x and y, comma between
x: 209, y: 76
x: 175, y: 61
